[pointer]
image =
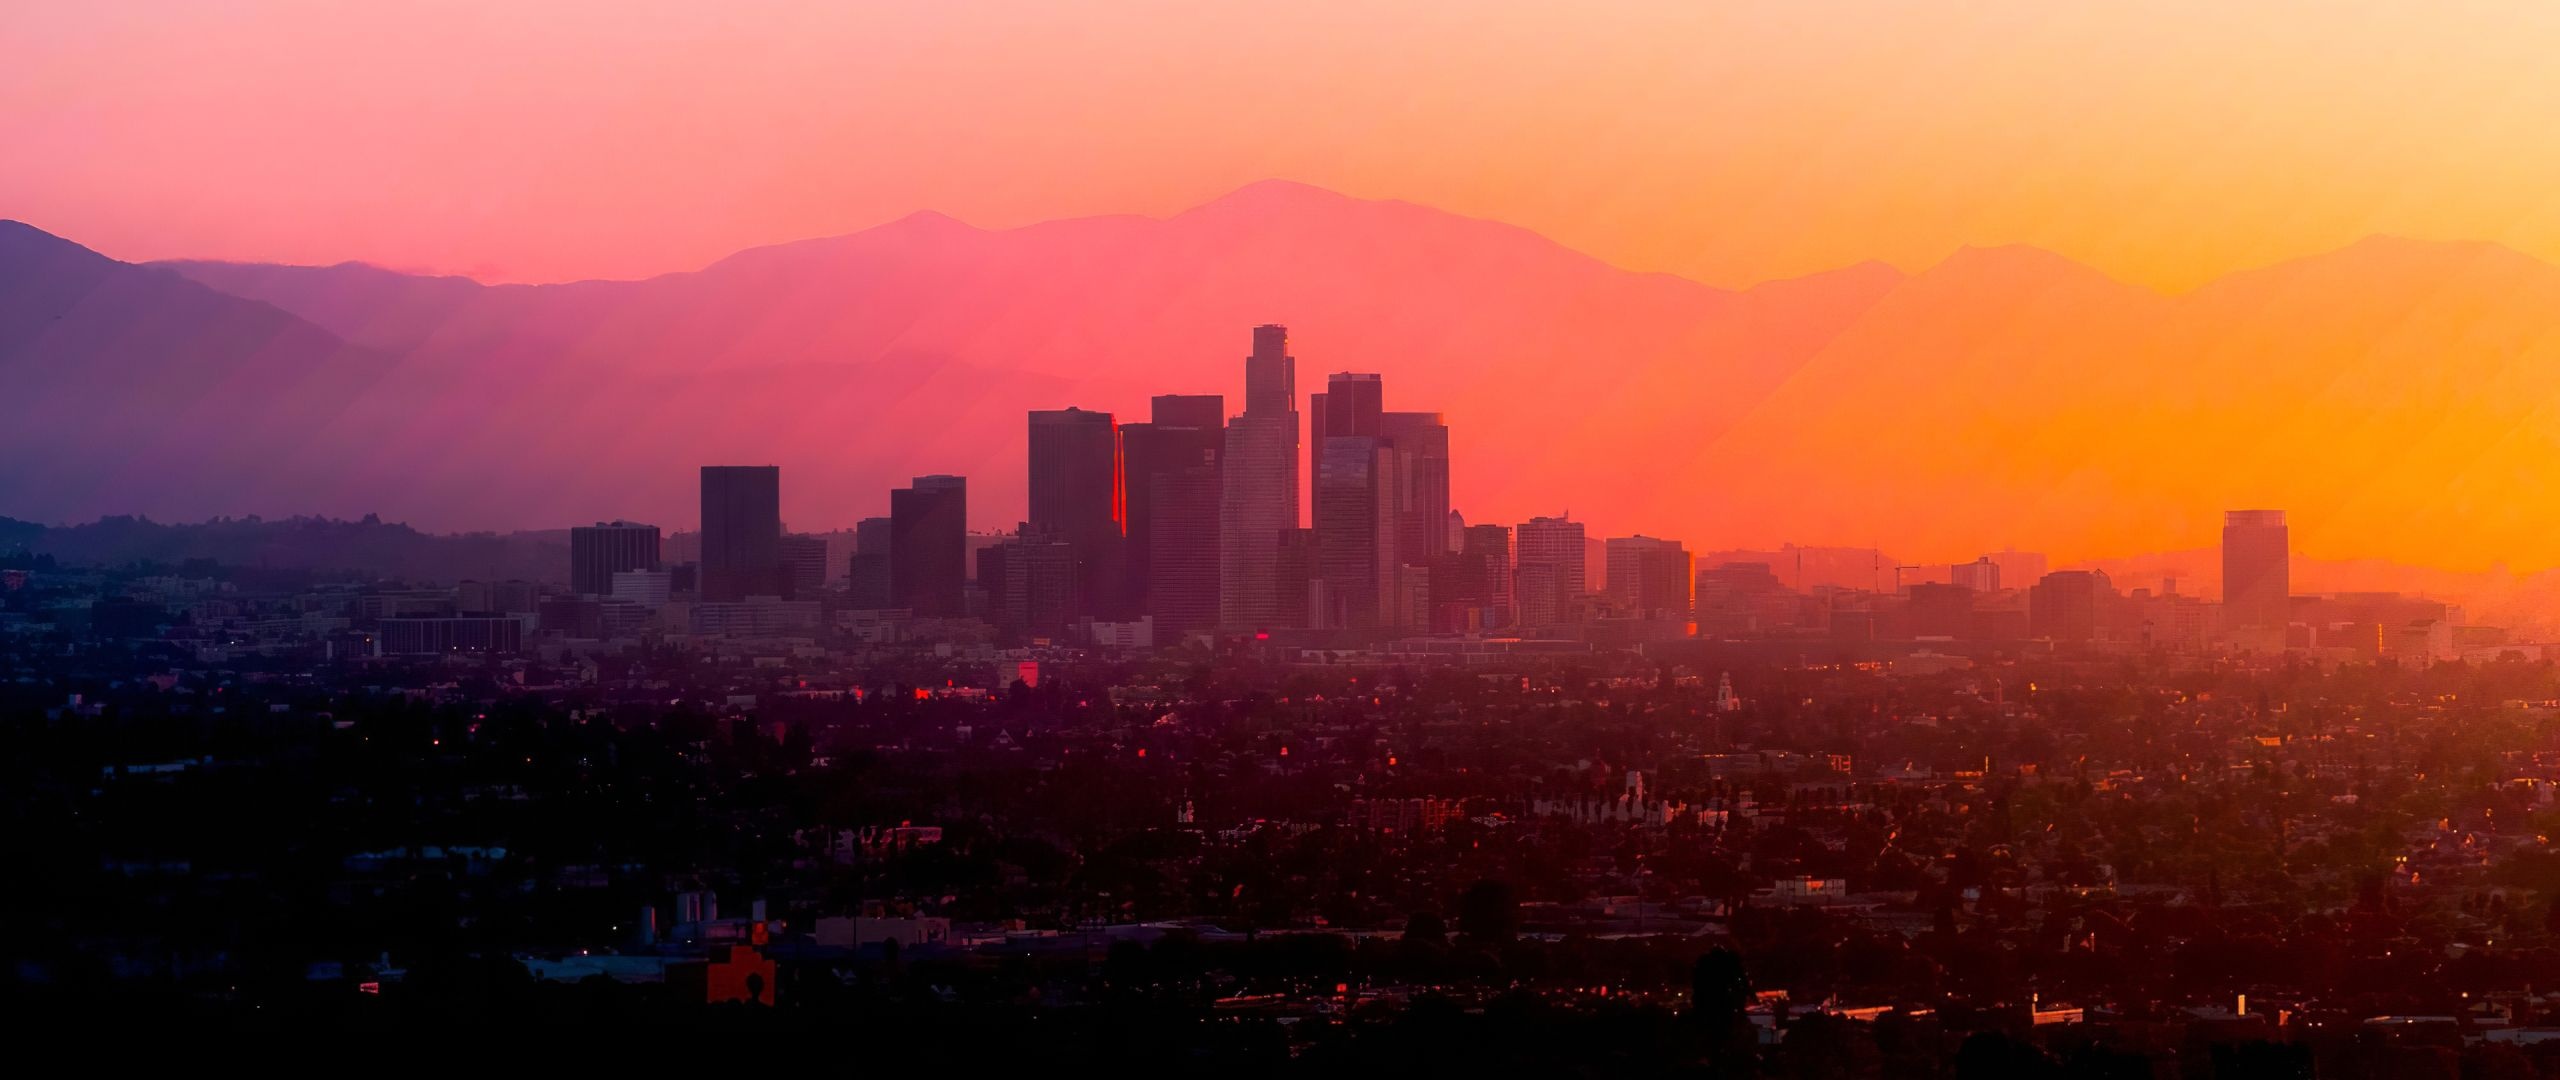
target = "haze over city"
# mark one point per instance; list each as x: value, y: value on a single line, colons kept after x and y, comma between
x: 2080, y: 322
x: 1721, y: 538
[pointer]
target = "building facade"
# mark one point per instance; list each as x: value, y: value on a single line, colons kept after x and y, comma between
x: 599, y: 551
x: 929, y: 546
x: 741, y: 532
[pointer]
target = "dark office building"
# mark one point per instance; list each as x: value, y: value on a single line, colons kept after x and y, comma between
x: 1182, y: 579
x: 1471, y: 588
x: 1649, y: 577
x: 1353, y: 403
x: 1295, y: 579
x: 1405, y: 487
x: 1353, y: 496
x: 804, y: 567
x: 741, y: 532
x: 1030, y: 582
x: 1549, y: 558
x: 1355, y: 547
x: 868, y: 576
x: 599, y: 551
x: 1202, y: 411
x: 2069, y: 605
x: 1934, y: 610
x: 1421, y: 441
x: 1180, y: 444
x: 1078, y: 495
x: 2257, y: 581
x: 929, y: 545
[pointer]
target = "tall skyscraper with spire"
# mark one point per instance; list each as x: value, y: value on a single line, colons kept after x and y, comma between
x: 1258, y: 496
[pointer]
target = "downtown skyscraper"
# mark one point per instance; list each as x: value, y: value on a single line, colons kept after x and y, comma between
x: 1548, y: 574
x: 868, y: 576
x: 2257, y: 576
x: 1422, y: 512
x: 1381, y: 498
x: 1078, y: 496
x: 1471, y: 588
x: 741, y: 532
x: 1649, y: 577
x: 929, y: 546
x: 1258, y: 495
x: 1354, y: 499
x: 1174, y: 485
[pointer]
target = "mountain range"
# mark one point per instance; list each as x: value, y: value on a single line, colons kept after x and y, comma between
x: 2396, y: 396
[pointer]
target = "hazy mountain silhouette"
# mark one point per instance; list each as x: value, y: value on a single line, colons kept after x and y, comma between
x: 857, y: 361
x: 132, y: 387
x: 2393, y: 394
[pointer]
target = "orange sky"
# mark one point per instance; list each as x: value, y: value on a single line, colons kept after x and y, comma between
x: 2164, y: 142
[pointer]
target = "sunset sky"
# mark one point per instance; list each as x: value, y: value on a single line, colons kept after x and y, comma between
x: 2163, y: 142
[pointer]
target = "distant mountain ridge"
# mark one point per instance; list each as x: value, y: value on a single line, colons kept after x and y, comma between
x: 136, y: 386
x: 860, y: 360
x: 2395, y: 395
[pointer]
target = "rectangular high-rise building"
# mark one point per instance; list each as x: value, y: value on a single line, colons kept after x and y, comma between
x: 1300, y: 584
x: 929, y: 545
x: 741, y: 532
x: 1353, y: 403
x: 1078, y: 495
x: 1355, y: 538
x: 1359, y: 496
x: 1031, y: 583
x: 1649, y: 577
x: 1174, y: 528
x: 1188, y: 410
x: 868, y: 576
x: 1258, y: 489
x: 1550, y: 554
x: 1178, y: 446
x: 2257, y: 570
x: 1481, y: 578
x: 599, y: 551
x: 804, y: 567
x: 1421, y: 441
x: 1934, y: 610
x: 2070, y: 605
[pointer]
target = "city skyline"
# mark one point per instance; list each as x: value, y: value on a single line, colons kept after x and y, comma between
x: 2123, y: 496
x: 1134, y: 537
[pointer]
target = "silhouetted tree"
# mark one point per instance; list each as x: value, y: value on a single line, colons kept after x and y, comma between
x: 1426, y: 927
x: 1489, y: 912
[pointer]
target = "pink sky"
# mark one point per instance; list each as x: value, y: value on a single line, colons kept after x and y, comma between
x: 2165, y: 141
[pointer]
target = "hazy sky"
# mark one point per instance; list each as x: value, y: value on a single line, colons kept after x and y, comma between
x: 2164, y: 142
